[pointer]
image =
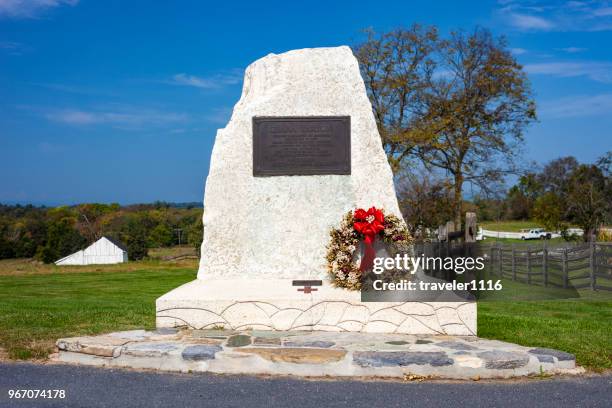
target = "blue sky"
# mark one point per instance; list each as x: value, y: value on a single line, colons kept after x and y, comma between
x: 119, y: 101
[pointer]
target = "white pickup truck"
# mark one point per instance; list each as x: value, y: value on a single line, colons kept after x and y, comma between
x: 535, y: 233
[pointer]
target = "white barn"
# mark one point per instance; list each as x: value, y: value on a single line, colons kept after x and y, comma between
x: 103, y: 251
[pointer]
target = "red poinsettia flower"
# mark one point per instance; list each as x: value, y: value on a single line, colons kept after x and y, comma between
x: 369, y: 223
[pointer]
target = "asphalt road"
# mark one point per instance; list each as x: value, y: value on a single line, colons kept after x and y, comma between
x: 98, y: 387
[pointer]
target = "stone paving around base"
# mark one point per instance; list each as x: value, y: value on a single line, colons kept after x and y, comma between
x: 314, y: 353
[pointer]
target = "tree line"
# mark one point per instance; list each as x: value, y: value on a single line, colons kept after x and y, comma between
x: 49, y: 234
x: 561, y: 194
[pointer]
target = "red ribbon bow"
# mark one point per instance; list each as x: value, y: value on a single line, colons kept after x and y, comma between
x: 369, y: 223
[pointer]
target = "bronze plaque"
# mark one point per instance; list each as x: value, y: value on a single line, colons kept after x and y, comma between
x: 309, y: 145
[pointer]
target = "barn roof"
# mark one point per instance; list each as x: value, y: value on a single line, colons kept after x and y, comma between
x: 116, y: 243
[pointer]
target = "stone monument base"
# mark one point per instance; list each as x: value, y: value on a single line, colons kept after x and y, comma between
x: 274, y: 304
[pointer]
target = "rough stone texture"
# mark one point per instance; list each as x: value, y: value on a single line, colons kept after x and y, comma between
x: 398, y: 342
x: 297, y: 355
x: 149, y: 349
x: 239, y: 340
x: 260, y: 233
x: 103, y: 346
x: 455, y: 345
x: 542, y: 358
x: 327, y: 354
x: 267, y: 341
x: 499, y: 359
x: 400, y: 358
x: 287, y: 236
x: 165, y: 331
x: 316, y: 343
x: 561, y: 355
x: 132, y: 335
x: 212, y: 334
x: 200, y: 352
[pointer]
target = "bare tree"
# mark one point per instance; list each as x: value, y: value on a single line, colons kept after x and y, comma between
x: 425, y: 201
x: 479, y: 106
x: 459, y: 105
x: 397, y: 67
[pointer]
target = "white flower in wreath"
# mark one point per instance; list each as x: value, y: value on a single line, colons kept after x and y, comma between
x: 352, y: 248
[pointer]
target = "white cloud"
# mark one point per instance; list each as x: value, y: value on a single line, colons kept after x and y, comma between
x: 30, y: 8
x: 571, y: 50
x: 577, y: 106
x: 9, y: 45
x: 121, y: 117
x: 12, y: 47
x: 603, y: 12
x: 216, y: 81
x: 518, y: 51
x: 540, y: 15
x: 597, y: 71
x: 529, y: 22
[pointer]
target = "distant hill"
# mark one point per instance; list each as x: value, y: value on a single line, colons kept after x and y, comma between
x: 24, y: 204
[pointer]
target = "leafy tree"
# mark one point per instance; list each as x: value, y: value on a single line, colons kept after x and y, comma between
x: 134, y: 234
x: 556, y: 174
x: 425, y: 202
x: 91, y: 217
x: 549, y: 211
x: 161, y: 236
x: 6, y: 249
x: 62, y: 240
x: 195, y: 234
x: 604, y: 163
x: 521, y: 197
x: 587, y: 202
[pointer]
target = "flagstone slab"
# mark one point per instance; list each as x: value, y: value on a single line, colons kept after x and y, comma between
x: 166, y: 331
x: 297, y: 355
x: 315, y: 344
x: 400, y: 358
x: 103, y: 346
x: 499, y: 359
x: 560, y: 355
x: 238, y: 340
x: 200, y: 352
x: 267, y: 341
x: 150, y: 349
x: 455, y: 345
x: 214, y: 334
x: 315, y: 353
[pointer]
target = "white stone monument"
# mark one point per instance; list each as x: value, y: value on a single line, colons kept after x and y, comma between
x: 262, y: 233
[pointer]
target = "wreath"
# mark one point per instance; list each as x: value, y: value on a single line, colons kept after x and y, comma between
x: 356, y: 226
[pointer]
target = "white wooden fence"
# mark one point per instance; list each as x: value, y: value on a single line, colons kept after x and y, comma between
x: 513, y: 235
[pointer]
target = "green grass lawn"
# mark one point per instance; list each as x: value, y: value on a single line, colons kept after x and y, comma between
x: 38, y: 308
x: 509, y: 226
x: 579, y: 326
